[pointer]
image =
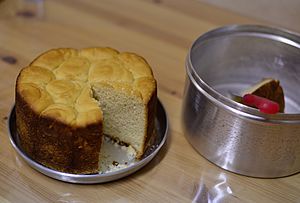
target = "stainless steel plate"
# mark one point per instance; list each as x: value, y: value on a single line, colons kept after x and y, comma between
x: 161, y: 125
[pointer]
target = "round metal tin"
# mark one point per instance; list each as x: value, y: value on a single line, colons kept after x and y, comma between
x: 234, y: 136
x: 161, y: 125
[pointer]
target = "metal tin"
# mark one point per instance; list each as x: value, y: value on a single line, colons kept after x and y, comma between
x: 233, y: 136
x: 161, y: 125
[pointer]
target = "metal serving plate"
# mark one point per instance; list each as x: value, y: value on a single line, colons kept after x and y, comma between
x: 161, y: 124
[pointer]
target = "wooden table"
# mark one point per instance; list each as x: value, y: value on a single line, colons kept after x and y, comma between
x: 161, y: 31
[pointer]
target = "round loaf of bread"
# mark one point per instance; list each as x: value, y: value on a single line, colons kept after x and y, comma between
x: 66, y: 99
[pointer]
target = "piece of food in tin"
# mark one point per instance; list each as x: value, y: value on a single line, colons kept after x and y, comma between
x: 264, y: 105
x: 270, y: 89
x: 266, y: 95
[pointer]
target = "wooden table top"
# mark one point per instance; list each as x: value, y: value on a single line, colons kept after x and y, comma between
x: 161, y: 31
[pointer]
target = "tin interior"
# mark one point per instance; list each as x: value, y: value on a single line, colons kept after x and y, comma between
x: 231, y: 59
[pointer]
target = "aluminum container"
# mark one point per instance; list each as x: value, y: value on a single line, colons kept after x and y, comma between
x: 233, y: 136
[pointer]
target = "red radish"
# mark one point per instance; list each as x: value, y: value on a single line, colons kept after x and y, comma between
x: 264, y: 105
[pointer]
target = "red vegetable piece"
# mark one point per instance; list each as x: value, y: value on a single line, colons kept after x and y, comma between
x: 264, y: 105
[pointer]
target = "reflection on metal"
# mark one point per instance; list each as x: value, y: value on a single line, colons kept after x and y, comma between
x: 232, y: 143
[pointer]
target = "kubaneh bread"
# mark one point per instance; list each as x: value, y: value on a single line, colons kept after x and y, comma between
x: 66, y: 99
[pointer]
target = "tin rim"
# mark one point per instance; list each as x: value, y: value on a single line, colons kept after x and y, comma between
x: 282, y: 35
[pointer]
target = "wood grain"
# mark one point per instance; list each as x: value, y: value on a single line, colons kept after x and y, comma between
x: 160, y: 30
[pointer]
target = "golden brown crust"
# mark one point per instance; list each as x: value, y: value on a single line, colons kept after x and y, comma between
x: 53, y: 82
x: 151, y: 112
x: 56, y: 144
x: 58, y: 121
